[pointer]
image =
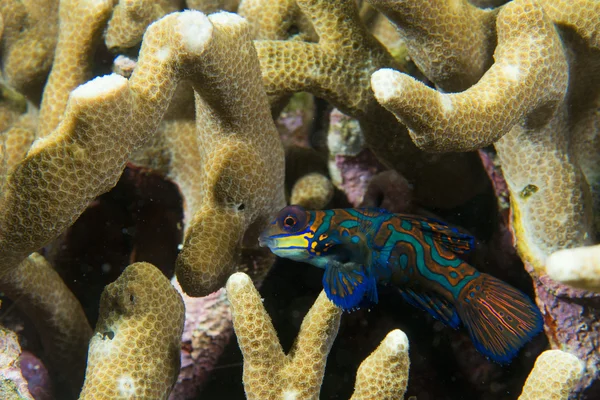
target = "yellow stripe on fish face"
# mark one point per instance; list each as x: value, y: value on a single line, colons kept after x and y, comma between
x: 294, y: 241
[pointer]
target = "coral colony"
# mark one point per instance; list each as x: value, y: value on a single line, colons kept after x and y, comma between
x: 195, y: 122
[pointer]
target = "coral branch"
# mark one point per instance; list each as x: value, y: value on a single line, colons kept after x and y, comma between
x: 240, y: 155
x: 269, y: 373
x: 59, y: 318
x: 553, y: 377
x: 105, y: 121
x: 80, y: 26
x: 526, y: 83
x: 384, y: 374
x: 134, y: 352
x: 338, y: 68
x: 579, y: 267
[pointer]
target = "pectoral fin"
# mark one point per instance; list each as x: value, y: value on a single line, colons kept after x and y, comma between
x: 349, y: 286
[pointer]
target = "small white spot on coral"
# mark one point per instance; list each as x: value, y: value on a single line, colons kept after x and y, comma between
x: 396, y: 341
x: 238, y: 279
x: 512, y: 72
x: 226, y: 18
x: 99, y: 86
x: 163, y: 53
x: 385, y: 83
x: 126, y: 386
x: 290, y: 395
x: 446, y: 102
x: 195, y: 28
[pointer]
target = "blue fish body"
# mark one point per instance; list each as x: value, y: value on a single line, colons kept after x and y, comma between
x: 422, y: 257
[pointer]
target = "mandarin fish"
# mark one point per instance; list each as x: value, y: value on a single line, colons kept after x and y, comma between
x: 422, y: 257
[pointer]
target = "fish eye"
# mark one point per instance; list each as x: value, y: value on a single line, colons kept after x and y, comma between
x: 292, y: 219
x: 289, y: 221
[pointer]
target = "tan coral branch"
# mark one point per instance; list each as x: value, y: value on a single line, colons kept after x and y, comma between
x: 105, y: 121
x: 270, y: 374
x: 135, y: 350
x: 240, y: 156
x: 578, y: 267
x: 37, y: 289
x: 130, y: 18
x: 526, y: 83
x: 384, y: 374
x: 434, y: 29
x: 553, y: 377
x: 80, y: 25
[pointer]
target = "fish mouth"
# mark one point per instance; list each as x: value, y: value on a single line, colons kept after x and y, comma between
x: 264, y: 241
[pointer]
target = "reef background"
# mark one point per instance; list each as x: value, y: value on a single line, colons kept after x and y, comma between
x: 208, y: 125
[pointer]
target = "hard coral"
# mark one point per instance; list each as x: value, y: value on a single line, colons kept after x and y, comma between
x: 338, y: 68
x: 269, y: 373
x: 37, y: 289
x: 135, y: 350
x: 29, y: 34
x: 239, y: 157
x: 553, y: 377
x: 521, y: 105
x: 536, y: 104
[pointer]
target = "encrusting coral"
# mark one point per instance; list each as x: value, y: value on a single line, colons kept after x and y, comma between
x: 553, y: 377
x: 135, y: 349
x: 270, y: 374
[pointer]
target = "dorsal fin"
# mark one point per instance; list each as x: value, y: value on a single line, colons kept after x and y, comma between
x: 451, y: 237
x: 433, y: 304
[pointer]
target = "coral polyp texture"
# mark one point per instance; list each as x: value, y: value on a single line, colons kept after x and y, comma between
x: 553, y: 377
x: 135, y: 349
x: 269, y: 373
x: 535, y: 104
x: 421, y: 107
x: 240, y: 157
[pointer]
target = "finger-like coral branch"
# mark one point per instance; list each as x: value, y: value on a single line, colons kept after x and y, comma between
x: 80, y: 25
x: 553, y: 377
x: 105, y: 121
x: 130, y: 18
x: 384, y: 374
x: 526, y: 83
x: 64, y: 330
x: 29, y: 35
x: 240, y: 155
x: 269, y: 373
x: 134, y: 352
x: 433, y: 29
x: 312, y: 191
x: 338, y: 68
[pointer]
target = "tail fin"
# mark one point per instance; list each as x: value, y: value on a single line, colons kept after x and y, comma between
x: 499, y: 318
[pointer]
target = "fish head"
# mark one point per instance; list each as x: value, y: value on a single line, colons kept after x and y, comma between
x: 289, y: 234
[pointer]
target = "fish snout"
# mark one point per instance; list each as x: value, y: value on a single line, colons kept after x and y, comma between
x: 264, y: 240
